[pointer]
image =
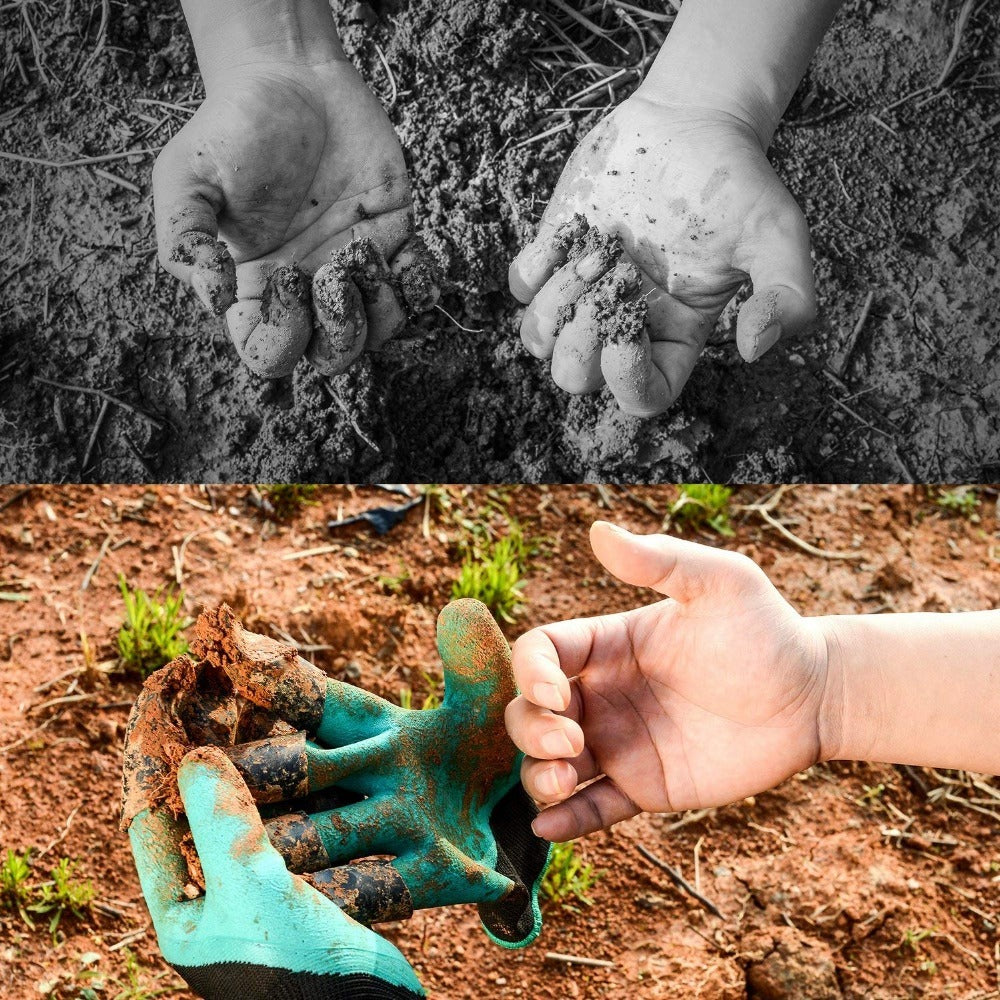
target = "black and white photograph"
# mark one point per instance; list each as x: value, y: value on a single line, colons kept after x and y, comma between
x: 489, y: 242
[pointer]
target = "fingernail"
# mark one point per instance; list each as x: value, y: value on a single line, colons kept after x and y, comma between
x: 556, y: 744
x: 548, y: 783
x: 548, y: 695
x: 769, y: 336
x: 613, y: 527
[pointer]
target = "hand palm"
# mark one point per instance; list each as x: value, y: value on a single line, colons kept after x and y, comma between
x: 326, y: 140
x: 698, y: 209
x: 677, y: 725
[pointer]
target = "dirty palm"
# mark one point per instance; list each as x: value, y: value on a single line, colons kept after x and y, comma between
x: 286, y: 205
x: 675, y: 189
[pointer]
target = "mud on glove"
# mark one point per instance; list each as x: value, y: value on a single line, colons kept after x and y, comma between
x: 437, y: 789
x: 258, y: 931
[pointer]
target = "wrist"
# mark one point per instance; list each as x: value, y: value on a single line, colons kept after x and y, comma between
x: 230, y: 35
x: 695, y: 72
x: 833, y: 720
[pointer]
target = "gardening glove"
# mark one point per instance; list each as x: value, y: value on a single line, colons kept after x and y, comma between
x: 258, y: 931
x: 441, y: 785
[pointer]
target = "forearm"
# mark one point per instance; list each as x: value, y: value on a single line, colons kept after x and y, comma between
x: 745, y: 58
x: 921, y: 689
x: 232, y: 33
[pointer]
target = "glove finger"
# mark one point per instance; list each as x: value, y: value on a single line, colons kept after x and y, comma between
x: 476, y: 659
x: 350, y: 765
x: 371, y: 892
x: 156, y: 739
x: 271, y: 333
x: 163, y: 871
x: 266, y: 672
x: 228, y: 832
x: 599, y: 314
x: 418, y: 275
x: 542, y: 256
x: 309, y: 843
x: 589, y: 259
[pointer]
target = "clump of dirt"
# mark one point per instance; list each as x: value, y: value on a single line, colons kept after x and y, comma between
x: 191, y: 703
x: 214, y: 269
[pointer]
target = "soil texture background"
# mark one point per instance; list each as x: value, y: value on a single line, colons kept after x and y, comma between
x: 897, y: 174
x: 847, y: 881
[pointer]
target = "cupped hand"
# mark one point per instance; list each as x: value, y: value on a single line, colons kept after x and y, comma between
x: 698, y: 209
x: 282, y: 165
x: 699, y: 700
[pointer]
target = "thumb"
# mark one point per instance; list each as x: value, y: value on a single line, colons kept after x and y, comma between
x: 476, y: 659
x: 784, y: 290
x: 682, y: 570
x: 227, y: 829
x: 186, y: 205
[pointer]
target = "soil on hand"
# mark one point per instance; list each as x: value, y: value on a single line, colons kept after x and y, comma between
x: 896, y: 174
x: 857, y: 881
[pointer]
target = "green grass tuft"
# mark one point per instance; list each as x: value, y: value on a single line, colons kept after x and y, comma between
x: 962, y: 500
x: 702, y: 505
x: 54, y: 898
x: 492, y: 573
x: 568, y: 878
x: 151, y: 634
x: 282, y: 501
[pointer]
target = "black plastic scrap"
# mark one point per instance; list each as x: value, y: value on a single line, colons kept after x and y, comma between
x: 382, y: 519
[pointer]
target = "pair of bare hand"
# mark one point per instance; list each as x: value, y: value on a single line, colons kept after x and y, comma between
x: 290, y: 165
x: 285, y: 203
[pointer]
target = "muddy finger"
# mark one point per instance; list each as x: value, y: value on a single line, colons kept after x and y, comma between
x: 384, y: 311
x: 539, y: 259
x: 592, y: 319
x: 266, y: 672
x: 372, y: 892
x: 637, y: 383
x: 271, y: 334
x: 311, y: 842
x: 207, y: 263
x: 589, y: 259
x: 341, y: 325
x: 418, y: 275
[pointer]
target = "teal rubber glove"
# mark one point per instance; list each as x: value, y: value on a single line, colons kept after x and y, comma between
x: 441, y: 789
x: 258, y: 931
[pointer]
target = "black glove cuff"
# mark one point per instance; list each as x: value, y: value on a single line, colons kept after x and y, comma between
x: 244, y: 981
x: 514, y: 921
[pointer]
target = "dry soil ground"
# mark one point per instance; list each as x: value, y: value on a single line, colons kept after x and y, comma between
x: 810, y: 884
x: 896, y: 172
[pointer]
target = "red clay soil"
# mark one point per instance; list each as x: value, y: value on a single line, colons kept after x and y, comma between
x: 816, y: 899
